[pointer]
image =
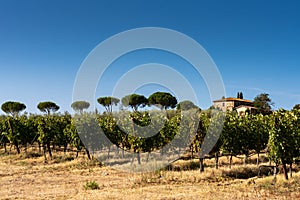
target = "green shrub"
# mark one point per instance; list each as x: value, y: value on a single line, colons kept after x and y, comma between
x: 91, y: 185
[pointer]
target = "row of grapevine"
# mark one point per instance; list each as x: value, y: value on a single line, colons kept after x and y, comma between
x: 145, y: 131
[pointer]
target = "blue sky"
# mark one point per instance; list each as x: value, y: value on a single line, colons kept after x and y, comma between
x: 255, y: 44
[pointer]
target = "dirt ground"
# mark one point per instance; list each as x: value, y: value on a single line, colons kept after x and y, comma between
x: 31, y: 178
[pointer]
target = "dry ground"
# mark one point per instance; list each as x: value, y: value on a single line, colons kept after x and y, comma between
x: 30, y: 178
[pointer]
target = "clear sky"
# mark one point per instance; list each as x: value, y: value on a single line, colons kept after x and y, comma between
x: 255, y: 44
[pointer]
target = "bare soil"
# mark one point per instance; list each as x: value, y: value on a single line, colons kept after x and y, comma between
x: 31, y: 178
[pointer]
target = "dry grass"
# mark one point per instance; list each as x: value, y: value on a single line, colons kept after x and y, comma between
x: 64, y: 178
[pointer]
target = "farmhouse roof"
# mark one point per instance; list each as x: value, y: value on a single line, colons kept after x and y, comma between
x: 233, y: 99
x: 241, y: 106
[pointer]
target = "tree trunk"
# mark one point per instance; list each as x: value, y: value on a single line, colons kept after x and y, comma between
x: 275, y: 173
x: 139, y: 157
x: 132, y: 159
x: 17, y: 147
x: 162, y: 152
x: 40, y: 150
x: 44, y: 153
x: 246, y: 158
x: 285, y: 172
x: 291, y: 170
x: 217, y: 160
x: 257, y: 161
x: 230, y: 161
x: 49, y: 150
x: 118, y: 151
x: 10, y: 148
x: 77, y: 152
x: 201, y: 165
x: 65, y: 149
x: 108, y: 152
x: 123, y: 152
x: 5, y: 150
x: 25, y: 148
x: 88, y: 154
x: 148, y: 156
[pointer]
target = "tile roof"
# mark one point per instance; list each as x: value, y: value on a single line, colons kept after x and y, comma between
x: 233, y: 99
x: 252, y: 107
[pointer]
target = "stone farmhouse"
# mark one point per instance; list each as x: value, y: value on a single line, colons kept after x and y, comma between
x: 240, y: 105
